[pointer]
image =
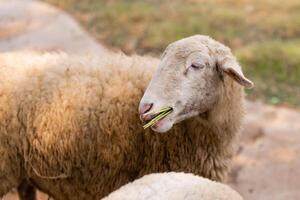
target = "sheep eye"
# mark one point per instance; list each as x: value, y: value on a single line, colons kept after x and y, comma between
x: 196, y: 66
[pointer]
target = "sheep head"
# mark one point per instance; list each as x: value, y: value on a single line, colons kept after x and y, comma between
x: 189, y: 79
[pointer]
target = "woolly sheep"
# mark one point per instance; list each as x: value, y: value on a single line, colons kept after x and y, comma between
x: 69, y: 124
x: 174, y: 186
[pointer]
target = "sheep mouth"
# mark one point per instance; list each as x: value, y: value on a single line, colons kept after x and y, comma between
x: 155, y: 118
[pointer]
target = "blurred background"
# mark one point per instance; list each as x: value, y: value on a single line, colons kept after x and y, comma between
x: 263, y: 34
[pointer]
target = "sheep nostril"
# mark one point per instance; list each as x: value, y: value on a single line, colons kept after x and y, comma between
x: 145, y: 107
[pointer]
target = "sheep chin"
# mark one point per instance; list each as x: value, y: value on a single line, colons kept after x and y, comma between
x: 163, y: 125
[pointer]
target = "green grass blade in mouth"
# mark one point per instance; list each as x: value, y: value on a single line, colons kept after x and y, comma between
x: 165, y: 109
x: 162, y: 113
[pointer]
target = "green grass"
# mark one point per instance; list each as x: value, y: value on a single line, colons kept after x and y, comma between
x: 263, y: 34
x: 275, y: 68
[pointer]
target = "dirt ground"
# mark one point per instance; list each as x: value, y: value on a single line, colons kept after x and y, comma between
x: 267, y: 166
x: 30, y: 25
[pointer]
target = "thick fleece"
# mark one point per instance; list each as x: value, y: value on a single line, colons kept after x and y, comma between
x: 174, y: 186
x: 70, y: 126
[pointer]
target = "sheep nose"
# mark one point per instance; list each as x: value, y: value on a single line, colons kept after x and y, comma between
x: 145, y: 107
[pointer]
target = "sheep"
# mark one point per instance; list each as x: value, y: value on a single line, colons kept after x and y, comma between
x: 174, y: 186
x: 69, y: 124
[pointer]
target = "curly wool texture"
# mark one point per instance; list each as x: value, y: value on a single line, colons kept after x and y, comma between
x: 70, y: 125
x: 174, y: 186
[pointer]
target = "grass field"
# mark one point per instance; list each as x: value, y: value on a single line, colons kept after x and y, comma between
x: 264, y: 34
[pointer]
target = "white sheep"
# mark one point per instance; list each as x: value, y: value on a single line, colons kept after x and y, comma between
x: 174, y: 186
x: 70, y: 126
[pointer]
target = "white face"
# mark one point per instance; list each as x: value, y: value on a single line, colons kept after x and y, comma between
x: 187, y: 79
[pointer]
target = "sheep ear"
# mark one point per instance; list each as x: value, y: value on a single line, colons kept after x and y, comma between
x: 230, y: 67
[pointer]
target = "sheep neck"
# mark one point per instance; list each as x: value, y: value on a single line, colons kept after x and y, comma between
x: 201, y: 145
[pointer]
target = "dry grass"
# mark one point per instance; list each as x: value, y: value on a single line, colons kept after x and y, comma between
x: 264, y: 34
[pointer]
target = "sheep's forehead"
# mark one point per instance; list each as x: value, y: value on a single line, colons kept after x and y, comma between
x: 184, y: 47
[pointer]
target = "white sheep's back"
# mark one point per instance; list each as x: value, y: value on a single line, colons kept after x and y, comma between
x: 174, y: 186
